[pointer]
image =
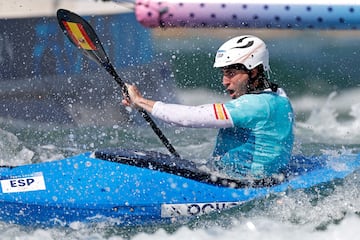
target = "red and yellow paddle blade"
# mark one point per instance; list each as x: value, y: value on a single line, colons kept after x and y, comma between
x: 78, y: 35
x: 82, y: 35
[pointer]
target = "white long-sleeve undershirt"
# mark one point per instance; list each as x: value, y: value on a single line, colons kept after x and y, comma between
x: 203, y: 116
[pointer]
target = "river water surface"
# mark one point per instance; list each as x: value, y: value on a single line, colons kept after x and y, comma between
x: 327, y: 121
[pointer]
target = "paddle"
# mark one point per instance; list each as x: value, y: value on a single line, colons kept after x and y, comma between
x: 83, y: 36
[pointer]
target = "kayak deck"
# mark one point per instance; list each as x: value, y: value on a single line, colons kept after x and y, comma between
x: 185, y: 168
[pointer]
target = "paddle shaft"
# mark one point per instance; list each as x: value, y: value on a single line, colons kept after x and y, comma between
x: 110, y: 69
x: 84, y: 37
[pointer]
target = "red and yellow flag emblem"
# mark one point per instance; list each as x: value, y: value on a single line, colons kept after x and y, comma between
x: 79, y: 35
x: 220, y: 112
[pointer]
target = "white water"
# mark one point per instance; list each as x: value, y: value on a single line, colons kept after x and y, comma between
x: 12, y: 150
x: 334, y: 119
x: 263, y: 229
x: 324, y: 125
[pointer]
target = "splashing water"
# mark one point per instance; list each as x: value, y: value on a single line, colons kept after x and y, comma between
x: 12, y: 151
x: 325, y: 125
x: 323, y: 212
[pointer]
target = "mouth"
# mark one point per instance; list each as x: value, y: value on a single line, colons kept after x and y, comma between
x: 230, y: 91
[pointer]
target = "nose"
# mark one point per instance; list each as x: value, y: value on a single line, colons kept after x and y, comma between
x: 225, y: 81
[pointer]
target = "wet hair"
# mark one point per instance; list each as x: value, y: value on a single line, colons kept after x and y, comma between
x: 237, y: 66
x: 262, y: 81
x: 261, y: 78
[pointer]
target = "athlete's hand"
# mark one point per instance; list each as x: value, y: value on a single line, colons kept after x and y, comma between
x: 133, y: 97
x: 136, y: 100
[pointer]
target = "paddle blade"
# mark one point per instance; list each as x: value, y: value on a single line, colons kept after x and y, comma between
x: 82, y: 35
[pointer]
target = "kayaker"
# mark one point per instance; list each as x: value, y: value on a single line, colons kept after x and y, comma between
x: 255, y: 128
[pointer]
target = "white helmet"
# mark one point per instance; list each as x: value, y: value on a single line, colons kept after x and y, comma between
x: 248, y: 50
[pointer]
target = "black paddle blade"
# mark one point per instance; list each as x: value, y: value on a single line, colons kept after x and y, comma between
x: 82, y: 35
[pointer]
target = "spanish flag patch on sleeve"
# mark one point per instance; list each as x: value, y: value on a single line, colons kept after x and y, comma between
x: 220, y: 112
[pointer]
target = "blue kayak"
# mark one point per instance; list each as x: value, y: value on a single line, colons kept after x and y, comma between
x: 129, y: 187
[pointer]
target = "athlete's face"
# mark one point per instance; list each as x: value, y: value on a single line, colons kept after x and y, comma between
x: 236, y: 81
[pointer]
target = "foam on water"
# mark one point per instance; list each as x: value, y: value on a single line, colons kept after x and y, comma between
x: 334, y: 119
x: 249, y: 229
x: 12, y: 151
x: 263, y: 229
